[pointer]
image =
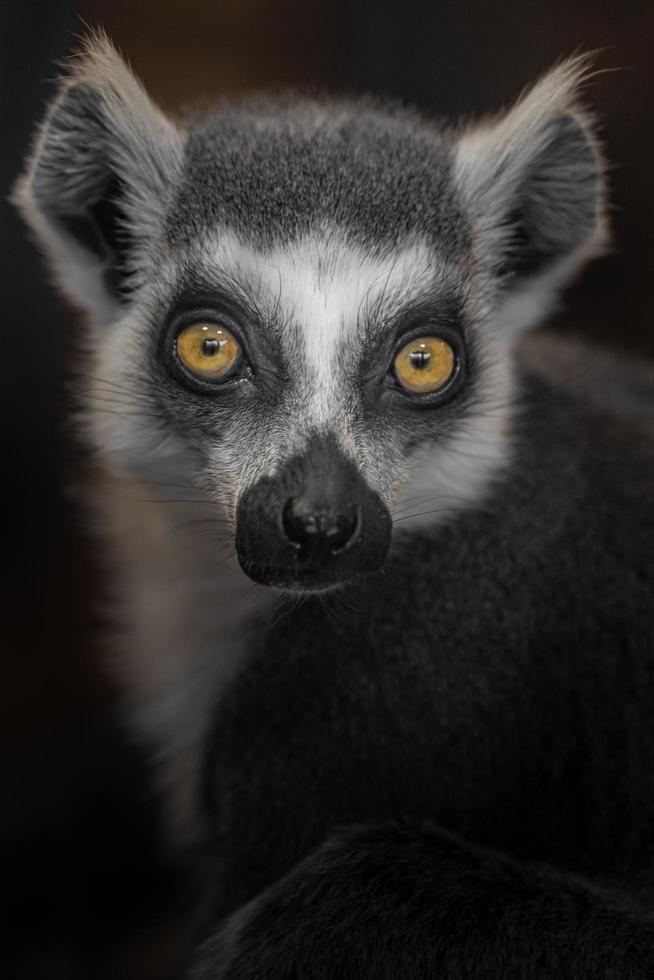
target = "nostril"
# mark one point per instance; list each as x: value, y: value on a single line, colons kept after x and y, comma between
x: 345, y: 530
x: 319, y: 531
x: 297, y: 526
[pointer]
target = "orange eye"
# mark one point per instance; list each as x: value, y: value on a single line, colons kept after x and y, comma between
x: 424, y: 365
x: 208, y: 350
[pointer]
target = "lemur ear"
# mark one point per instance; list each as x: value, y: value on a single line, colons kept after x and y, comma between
x: 97, y: 182
x: 533, y: 182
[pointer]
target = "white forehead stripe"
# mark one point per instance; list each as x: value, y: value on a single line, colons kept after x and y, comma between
x: 326, y: 288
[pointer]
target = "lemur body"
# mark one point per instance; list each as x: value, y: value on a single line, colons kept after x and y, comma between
x: 306, y: 318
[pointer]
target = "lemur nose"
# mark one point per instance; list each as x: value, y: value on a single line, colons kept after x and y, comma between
x: 319, y: 532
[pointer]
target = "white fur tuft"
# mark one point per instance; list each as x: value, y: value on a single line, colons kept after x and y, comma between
x: 494, y: 159
x: 143, y: 147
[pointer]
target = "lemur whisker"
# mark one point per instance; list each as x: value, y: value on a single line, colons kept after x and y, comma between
x: 117, y: 398
x: 178, y: 500
x: 204, y: 521
x: 438, y: 510
x: 124, y: 414
x: 284, y: 611
x: 425, y: 498
x: 109, y: 383
x: 173, y: 486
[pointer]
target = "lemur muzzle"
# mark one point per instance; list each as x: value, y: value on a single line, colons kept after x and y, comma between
x: 313, y: 525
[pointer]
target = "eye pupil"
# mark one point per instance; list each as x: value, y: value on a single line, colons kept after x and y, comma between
x: 420, y: 359
x: 211, y: 347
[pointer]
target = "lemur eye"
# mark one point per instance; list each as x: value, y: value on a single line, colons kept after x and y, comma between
x: 208, y: 350
x: 424, y: 365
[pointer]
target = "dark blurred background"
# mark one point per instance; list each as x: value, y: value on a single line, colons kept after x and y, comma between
x: 86, y: 892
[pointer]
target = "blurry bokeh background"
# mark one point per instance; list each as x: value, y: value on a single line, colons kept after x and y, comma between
x: 75, y: 825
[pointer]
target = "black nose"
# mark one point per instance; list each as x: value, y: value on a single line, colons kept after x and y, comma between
x: 312, y: 525
x: 319, y: 531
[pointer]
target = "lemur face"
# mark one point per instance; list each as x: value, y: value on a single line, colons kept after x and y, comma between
x: 308, y: 308
x: 308, y: 377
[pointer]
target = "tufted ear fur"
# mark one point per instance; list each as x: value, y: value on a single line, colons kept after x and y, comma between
x: 533, y: 182
x: 98, y: 178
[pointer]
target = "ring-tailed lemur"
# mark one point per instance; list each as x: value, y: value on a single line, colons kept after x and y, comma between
x: 436, y: 757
